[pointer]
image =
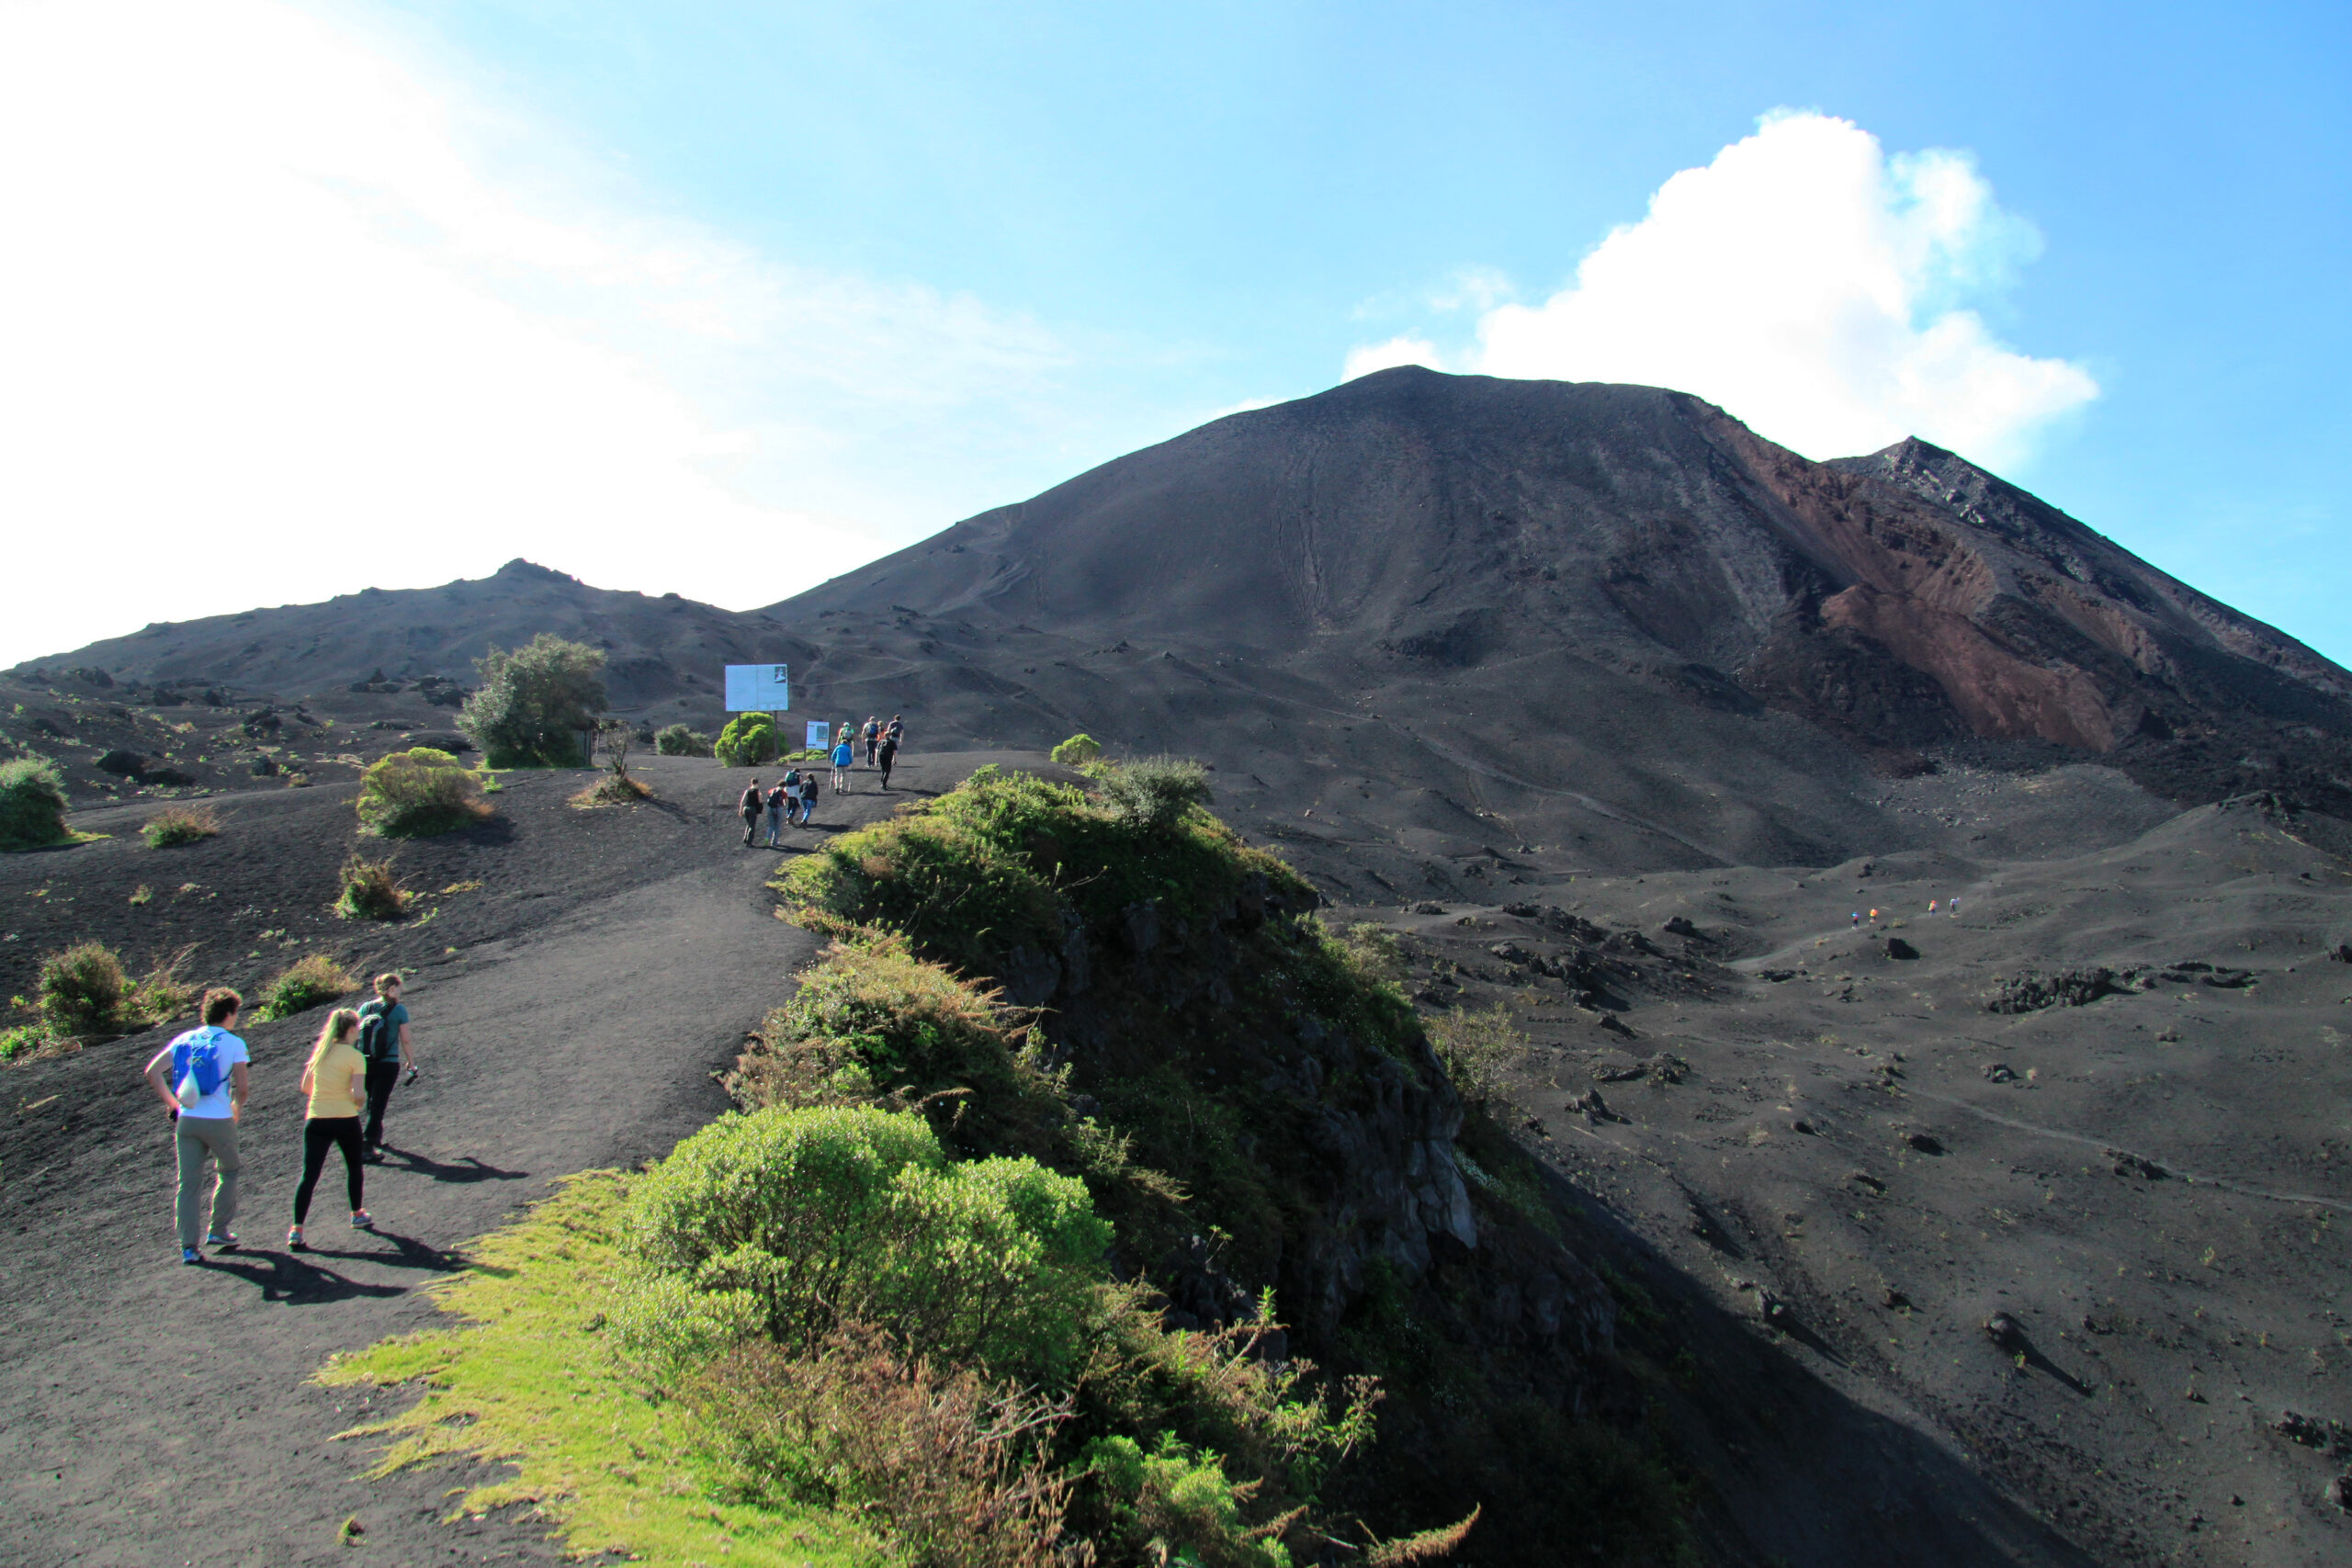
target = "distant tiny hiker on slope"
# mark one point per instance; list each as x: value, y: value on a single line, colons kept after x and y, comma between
x: 206, y: 1095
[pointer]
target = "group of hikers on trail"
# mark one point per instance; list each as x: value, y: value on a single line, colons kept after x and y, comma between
x: 203, y: 1078
x: 792, y: 800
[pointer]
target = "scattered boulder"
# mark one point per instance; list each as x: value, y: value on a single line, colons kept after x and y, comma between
x: 2230, y: 979
x: 265, y: 766
x: 1898, y: 948
x: 1926, y: 1143
x: 1864, y: 1178
x: 2341, y: 953
x: 2130, y: 1164
x: 2032, y: 990
x: 2000, y: 1072
x: 1890, y: 1297
x: 2003, y: 1331
x: 2315, y: 1432
x: 1777, y: 975
x: 1678, y: 926
x: 1590, y: 1105
x: 122, y: 764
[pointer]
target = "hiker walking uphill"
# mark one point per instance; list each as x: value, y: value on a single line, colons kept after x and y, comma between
x: 383, y: 1041
x: 889, y: 754
x: 336, y: 1080
x: 206, y: 1095
x: 751, y: 805
x: 777, y: 808
x: 873, y: 733
x: 844, y: 758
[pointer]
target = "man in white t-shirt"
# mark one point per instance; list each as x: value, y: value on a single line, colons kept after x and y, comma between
x: 205, y: 1122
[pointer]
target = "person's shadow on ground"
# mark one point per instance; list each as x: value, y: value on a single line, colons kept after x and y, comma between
x: 466, y: 1170
x: 293, y: 1278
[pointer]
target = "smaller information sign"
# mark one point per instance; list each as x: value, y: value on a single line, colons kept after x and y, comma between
x: 759, y: 688
x: 819, y: 731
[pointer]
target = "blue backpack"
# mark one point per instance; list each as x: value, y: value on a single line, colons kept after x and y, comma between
x: 195, y: 1065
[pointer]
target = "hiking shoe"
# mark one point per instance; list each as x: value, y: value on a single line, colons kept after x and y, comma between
x: 191, y: 1255
x: 360, y: 1220
x: 219, y: 1242
x: 294, y: 1242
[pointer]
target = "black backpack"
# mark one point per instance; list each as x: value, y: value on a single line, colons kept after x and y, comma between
x: 378, y: 1043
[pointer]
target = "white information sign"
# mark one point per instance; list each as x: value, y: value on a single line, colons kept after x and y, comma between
x: 820, y: 734
x: 758, y: 688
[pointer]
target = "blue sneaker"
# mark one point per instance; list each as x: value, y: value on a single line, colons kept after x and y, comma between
x: 191, y: 1255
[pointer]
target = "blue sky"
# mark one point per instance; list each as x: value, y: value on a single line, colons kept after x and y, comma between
x: 724, y: 298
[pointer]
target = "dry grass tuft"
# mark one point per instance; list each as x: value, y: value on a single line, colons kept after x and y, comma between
x: 179, y: 825
x: 1477, y: 1048
x: 369, y: 890
x: 612, y: 789
x: 962, y: 1472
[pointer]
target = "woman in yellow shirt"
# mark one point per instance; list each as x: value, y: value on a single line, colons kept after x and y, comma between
x: 336, y: 1080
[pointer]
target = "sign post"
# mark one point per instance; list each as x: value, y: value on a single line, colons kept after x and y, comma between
x: 759, y: 688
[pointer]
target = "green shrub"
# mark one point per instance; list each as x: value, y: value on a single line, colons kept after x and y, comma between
x: 1154, y: 792
x: 748, y: 742
x: 32, y: 804
x: 793, y: 1222
x: 313, y: 980
x: 677, y: 740
x: 85, y: 990
x: 1172, y: 1503
x: 87, y: 993
x: 1078, y: 750
x: 32, y: 1042
x: 1478, y: 1049
x: 533, y: 703
x: 179, y: 825
x: 368, y: 890
x: 418, y: 793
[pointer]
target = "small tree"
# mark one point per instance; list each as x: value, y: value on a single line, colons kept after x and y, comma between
x: 748, y: 739
x: 533, y: 701
x: 1078, y: 750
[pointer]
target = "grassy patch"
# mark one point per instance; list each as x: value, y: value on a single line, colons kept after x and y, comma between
x: 1478, y: 1048
x: 179, y: 825
x: 529, y: 1379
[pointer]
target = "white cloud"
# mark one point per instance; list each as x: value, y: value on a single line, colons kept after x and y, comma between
x: 1812, y: 286
x: 1385, y: 355
x: 281, y: 316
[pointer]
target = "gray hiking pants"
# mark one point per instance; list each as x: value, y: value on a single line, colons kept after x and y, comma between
x: 197, y: 1136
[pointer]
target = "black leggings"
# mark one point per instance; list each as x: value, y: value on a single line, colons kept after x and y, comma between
x: 318, y: 1133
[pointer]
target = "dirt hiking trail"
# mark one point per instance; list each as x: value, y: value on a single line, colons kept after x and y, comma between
x: 152, y: 1413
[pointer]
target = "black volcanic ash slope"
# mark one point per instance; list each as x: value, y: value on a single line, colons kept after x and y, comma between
x: 1435, y: 630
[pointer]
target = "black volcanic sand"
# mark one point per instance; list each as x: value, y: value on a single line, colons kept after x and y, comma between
x: 570, y: 1013
x: 2156, y: 1187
